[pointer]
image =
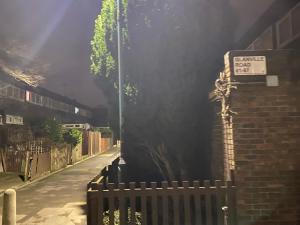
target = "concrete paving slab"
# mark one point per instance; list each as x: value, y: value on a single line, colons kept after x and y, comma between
x: 59, y: 199
x: 8, y: 180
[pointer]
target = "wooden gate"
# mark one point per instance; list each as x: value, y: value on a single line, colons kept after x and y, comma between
x: 161, y: 204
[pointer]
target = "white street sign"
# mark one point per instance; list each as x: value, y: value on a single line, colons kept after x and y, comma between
x: 250, y: 65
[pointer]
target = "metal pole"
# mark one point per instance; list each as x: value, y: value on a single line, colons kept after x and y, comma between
x: 119, y: 70
x: 120, y: 78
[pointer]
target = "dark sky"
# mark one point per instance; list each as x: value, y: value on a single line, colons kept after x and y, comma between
x: 58, y: 33
x: 248, y: 12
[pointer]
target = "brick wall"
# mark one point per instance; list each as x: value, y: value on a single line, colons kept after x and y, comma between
x: 217, y: 147
x: 264, y: 124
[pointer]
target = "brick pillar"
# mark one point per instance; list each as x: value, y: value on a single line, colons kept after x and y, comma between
x: 264, y: 124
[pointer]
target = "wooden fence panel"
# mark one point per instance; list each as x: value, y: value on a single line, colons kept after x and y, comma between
x: 33, y: 161
x: 154, y: 203
x: 40, y: 163
x: 99, y: 204
x: 122, y: 205
x: 132, y: 203
x: 231, y: 202
x: 176, y: 199
x: 160, y: 204
x: 14, y: 161
x: 111, y: 204
x: 19, y: 158
x: 186, y: 202
x: 208, y: 206
x: 94, y: 214
x: 165, y: 203
x: 219, y: 202
x: 44, y: 165
x: 197, y: 201
x: 85, y: 142
x: 106, y: 144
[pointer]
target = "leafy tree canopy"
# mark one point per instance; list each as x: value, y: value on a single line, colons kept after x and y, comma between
x: 53, y: 130
x: 174, y: 52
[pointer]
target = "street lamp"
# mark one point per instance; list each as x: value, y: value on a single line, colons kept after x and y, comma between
x: 120, y: 80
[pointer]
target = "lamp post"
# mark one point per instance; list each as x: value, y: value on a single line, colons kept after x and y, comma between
x: 120, y: 80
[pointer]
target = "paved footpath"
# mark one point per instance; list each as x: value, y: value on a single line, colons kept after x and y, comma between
x: 59, y: 199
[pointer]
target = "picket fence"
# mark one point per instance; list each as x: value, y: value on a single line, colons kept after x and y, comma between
x: 165, y: 203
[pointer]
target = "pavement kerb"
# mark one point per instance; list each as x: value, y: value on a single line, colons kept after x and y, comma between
x: 55, y: 172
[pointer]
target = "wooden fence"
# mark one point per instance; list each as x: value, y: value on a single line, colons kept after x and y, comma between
x: 180, y: 203
x: 39, y: 164
x: 106, y: 144
x: 29, y: 164
x: 13, y: 161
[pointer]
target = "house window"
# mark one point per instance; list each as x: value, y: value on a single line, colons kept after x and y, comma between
x: 38, y: 99
x: 15, y: 92
x: 9, y: 91
x: 3, y: 89
x: 22, y: 94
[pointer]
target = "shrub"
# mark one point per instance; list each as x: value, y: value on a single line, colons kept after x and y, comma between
x: 73, y: 137
x: 53, y: 130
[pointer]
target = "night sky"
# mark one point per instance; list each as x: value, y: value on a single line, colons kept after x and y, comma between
x: 248, y: 12
x: 57, y: 33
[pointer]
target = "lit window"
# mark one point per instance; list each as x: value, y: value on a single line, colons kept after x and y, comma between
x: 76, y: 110
x: 28, y: 96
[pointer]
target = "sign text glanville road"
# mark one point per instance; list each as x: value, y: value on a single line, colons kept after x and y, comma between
x: 250, y: 65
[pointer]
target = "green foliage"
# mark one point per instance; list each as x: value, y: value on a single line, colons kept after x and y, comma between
x: 53, y: 130
x: 175, y: 52
x: 138, y: 217
x: 73, y: 137
x: 103, y: 44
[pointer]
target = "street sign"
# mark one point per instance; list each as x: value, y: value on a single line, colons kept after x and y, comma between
x: 250, y: 65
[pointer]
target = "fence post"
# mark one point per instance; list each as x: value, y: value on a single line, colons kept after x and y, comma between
x: 208, y: 202
x: 231, y: 203
x: 92, y: 207
x: 2, y: 153
x: 26, y: 166
x: 9, y: 207
x: 225, y: 214
x: 110, y: 174
x: 219, y: 202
